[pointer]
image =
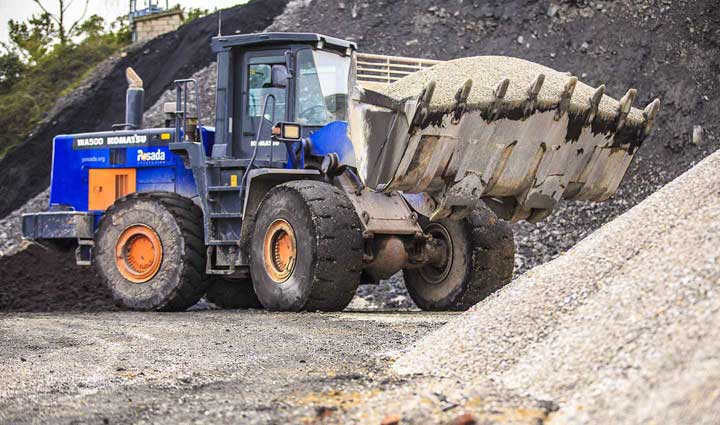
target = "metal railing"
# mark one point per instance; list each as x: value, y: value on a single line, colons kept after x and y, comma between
x: 382, y: 69
x: 181, y: 108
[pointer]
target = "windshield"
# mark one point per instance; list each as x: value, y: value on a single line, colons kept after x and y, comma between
x: 321, y: 87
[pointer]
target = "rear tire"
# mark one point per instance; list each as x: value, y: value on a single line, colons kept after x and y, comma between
x: 306, y: 248
x: 149, y: 250
x: 481, y: 262
x: 232, y: 294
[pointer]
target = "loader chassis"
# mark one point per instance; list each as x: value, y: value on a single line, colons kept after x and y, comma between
x: 245, y: 70
x: 266, y: 209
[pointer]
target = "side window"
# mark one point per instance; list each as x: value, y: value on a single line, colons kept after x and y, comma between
x: 264, y: 77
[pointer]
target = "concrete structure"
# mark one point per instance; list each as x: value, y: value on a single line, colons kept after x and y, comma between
x: 152, y: 25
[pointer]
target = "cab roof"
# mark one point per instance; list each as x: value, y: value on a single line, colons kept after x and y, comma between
x: 225, y: 42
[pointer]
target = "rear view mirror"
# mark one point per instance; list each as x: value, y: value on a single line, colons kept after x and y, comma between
x: 286, y: 132
x: 279, y: 76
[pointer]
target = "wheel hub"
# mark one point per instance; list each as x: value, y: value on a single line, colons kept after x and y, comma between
x: 279, y: 250
x: 440, y: 252
x: 138, y: 253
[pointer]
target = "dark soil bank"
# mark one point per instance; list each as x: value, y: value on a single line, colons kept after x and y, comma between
x: 24, y: 171
x: 41, y: 279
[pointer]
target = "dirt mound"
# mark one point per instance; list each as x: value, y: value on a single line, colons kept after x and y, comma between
x: 42, y: 279
x: 24, y: 171
x: 620, y: 329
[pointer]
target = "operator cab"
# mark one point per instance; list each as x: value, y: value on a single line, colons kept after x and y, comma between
x: 303, y: 78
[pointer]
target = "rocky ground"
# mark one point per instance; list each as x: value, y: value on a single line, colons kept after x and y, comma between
x: 620, y: 329
x: 248, y: 367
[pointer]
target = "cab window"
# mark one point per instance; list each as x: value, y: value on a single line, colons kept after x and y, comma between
x: 261, y: 71
x: 321, y: 87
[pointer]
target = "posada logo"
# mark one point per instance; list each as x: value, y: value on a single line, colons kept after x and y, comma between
x: 157, y: 155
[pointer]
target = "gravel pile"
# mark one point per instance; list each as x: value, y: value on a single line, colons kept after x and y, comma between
x: 620, y: 329
x: 11, y: 226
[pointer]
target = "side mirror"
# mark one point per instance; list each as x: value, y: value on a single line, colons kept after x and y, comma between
x: 279, y: 76
x: 286, y: 132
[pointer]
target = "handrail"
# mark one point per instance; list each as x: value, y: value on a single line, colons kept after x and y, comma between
x: 257, y: 137
x: 181, y: 99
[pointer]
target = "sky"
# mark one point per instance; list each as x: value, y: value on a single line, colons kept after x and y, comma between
x: 108, y: 9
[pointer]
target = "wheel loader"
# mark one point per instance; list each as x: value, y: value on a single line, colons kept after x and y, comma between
x: 326, y: 168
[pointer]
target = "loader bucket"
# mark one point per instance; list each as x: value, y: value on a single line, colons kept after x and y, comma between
x: 516, y: 134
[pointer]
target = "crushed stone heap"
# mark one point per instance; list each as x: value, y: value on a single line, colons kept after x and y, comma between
x: 620, y: 329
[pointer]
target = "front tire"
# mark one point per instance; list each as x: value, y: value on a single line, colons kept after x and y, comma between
x: 306, y: 248
x: 480, y: 258
x: 150, y: 252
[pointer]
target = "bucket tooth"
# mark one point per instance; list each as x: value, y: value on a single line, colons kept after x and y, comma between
x: 499, y: 94
x: 624, y: 107
x: 534, y: 88
x: 501, y: 88
x: 532, y: 93
x: 565, y: 97
x: 421, y: 111
x: 428, y: 92
x: 461, y: 100
x: 649, y: 114
x: 595, y: 104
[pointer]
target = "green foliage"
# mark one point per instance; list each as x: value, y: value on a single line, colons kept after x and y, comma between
x: 33, y: 37
x: 194, y: 13
x: 92, y: 27
x: 36, y: 68
x: 12, y: 69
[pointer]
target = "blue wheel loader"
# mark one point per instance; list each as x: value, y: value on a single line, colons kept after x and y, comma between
x: 324, y: 169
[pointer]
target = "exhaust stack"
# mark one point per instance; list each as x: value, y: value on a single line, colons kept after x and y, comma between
x: 134, y: 101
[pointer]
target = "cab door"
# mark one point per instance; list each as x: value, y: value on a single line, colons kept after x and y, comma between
x: 262, y: 73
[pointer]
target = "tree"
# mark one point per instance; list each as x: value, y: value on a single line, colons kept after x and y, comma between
x: 11, y: 70
x: 63, y: 33
x: 93, y: 27
x: 33, y: 37
x: 194, y: 13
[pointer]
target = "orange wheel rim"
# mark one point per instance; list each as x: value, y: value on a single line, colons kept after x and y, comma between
x: 138, y: 253
x: 279, y: 250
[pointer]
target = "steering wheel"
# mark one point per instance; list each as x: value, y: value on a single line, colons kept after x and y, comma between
x: 315, y: 111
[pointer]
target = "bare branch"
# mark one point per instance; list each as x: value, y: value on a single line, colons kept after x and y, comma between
x: 72, y: 27
x: 52, y: 16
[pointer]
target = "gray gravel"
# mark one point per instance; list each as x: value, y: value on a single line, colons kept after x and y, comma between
x: 486, y: 72
x: 10, y: 226
x: 246, y: 367
x: 620, y: 329
x: 207, y: 82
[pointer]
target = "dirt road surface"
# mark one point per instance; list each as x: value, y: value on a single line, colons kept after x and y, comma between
x: 198, y: 367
